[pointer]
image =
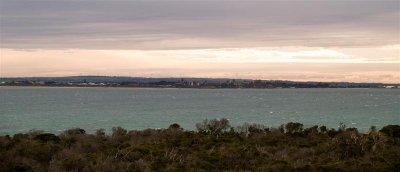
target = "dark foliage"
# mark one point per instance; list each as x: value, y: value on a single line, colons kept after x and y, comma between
x: 391, y: 130
x: 293, y: 128
x: 214, y: 126
x: 46, y: 137
x: 216, y: 146
x: 174, y: 126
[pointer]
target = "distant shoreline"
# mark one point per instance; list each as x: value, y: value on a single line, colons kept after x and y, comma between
x: 201, y: 83
x: 238, y: 88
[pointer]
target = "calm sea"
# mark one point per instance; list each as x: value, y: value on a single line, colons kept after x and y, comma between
x: 56, y: 109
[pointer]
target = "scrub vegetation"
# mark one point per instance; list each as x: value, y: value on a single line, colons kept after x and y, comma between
x: 215, y: 146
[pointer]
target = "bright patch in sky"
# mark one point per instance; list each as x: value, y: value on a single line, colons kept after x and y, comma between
x: 356, y: 41
x: 294, y: 63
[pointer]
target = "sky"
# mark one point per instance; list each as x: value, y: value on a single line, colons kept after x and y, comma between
x: 325, y: 40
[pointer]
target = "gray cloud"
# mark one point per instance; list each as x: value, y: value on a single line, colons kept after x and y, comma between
x: 204, y: 24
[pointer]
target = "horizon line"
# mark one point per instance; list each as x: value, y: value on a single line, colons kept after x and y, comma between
x: 174, y: 77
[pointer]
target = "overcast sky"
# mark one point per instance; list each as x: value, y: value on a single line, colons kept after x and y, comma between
x: 325, y: 40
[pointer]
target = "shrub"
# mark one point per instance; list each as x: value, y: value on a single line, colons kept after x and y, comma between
x: 17, y: 167
x: 175, y: 126
x: 323, y: 129
x: 213, y: 148
x: 46, y: 137
x: 73, y: 163
x: 118, y: 131
x: 75, y: 131
x: 293, y: 127
x: 391, y: 130
x: 100, y: 133
x: 213, y: 126
x: 348, y: 145
x: 332, y: 132
x: 311, y: 130
x: 247, y: 128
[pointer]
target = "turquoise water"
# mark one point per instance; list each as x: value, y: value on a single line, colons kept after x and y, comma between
x: 56, y: 109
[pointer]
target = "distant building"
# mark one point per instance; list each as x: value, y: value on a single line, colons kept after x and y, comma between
x: 389, y: 86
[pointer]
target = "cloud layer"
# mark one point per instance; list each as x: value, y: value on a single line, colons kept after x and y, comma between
x: 313, y: 65
x: 197, y: 24
x: 330, y: 40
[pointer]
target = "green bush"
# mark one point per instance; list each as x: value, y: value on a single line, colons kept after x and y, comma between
x: 46, y: 137
x: 214, y: 147
x: 391, y: 130
x: 214, y: 126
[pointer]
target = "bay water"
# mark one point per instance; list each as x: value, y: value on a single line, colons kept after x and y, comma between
x: 54, y: 109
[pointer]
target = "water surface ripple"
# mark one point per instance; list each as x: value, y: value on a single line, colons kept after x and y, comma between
x: 56, y: 109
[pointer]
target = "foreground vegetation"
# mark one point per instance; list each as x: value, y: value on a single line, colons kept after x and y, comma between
x: 215, y: 146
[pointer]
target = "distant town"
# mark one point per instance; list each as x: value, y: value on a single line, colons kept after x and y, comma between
x: 115, y: 81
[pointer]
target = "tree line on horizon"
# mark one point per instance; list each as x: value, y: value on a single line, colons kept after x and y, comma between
x: 108, y: 81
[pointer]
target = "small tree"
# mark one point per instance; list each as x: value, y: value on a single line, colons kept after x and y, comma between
x: 251, y: 128
x: 372, y: 129
x: 75, y: 131
x: 293, y: 127
x: 323, y: 129
x: 391, y: 130
x: 175, y: 126
x: 118, y: 132
x: 100, y: 133
x: 342, y: 127
x: 214, y: 126
x: 311, y: 130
